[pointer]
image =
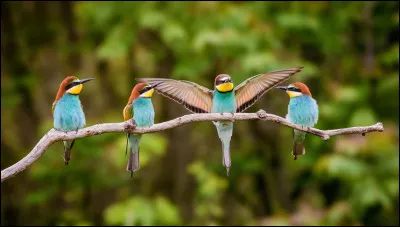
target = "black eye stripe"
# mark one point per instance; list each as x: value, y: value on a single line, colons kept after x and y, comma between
x: 72, y: 85
x: 294, y: 89
x: 223, y: 81
x: 145, y: 89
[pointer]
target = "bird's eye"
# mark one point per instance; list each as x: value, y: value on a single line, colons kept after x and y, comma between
x: 145, y: 89
x: 294, y: 89
x: 72, y: 85
x: 223, y: 81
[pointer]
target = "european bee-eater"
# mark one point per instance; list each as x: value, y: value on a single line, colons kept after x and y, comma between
x: 302, y: 110
x: 67, y: 110
x: 140, y: 109
x: 224, y: 99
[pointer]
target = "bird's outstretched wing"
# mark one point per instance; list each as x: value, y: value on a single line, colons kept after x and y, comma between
x: 192, y: 96
x: 250, y: 90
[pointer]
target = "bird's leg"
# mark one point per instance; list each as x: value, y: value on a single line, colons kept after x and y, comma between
x: 76, y: 131
x: 65, y: 161
x: 127, y: 140
x: 59, y: 129
x: 233, y: 114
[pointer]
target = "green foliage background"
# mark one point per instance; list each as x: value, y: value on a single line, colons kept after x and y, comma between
x: 350, y: 51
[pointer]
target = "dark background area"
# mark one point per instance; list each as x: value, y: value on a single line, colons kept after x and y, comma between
x: 350, y: 51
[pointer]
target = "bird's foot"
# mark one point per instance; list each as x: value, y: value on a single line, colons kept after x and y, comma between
x: 66, y: 163
x: 131, y: 174
x: 131, y: 124
x: 76, y: 131
x: 233, y: 114
x: 294, y: 157
x: 227, y: 171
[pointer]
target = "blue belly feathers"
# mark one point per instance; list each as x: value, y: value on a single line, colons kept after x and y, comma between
x: 68, y: 113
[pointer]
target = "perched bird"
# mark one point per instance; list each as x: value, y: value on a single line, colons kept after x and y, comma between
x: 302, y: 110
x: 140, y: 109
x: 224, y: 99
x: 67, y: 110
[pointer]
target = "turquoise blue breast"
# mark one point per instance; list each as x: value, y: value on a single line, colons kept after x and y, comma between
x: 224, y: 102
x: 303, y: 110
x: 68, y: 114
x: 143, y: 112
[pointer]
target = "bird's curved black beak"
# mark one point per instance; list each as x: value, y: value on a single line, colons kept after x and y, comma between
x: 153, y: 85
x: 85, y: 80
x: 281, y: 87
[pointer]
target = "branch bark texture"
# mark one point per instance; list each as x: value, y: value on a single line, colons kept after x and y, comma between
x: 54, y: 135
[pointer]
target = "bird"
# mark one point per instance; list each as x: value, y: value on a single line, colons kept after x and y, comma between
x: 225, y: 98
x: 302, y: 110
x: 68, y: 111
x: 141, y: 111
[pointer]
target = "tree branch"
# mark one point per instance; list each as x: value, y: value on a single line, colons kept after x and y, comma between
x: 54, y: 135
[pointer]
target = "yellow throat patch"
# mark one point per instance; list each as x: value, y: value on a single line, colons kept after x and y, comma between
x: 225, y: 87
x: 293, y: 94
x: 147, y: 94
x: 75, y: 90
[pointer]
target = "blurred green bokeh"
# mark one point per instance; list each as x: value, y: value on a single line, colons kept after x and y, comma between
x: 350, y: 51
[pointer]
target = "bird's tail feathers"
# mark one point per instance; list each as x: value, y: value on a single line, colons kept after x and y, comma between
x: 225, y: 130
x: 226, y: 159
x: 133, y: 161
x: 67, y: 150
x: 298, y: 149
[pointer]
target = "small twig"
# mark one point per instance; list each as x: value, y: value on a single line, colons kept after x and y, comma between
x: 53, y: 135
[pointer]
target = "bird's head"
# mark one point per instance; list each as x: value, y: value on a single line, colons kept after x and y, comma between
x: 296, y: 89
x: 223, y: 83
x: 142, y: 90
x: 71, y: 85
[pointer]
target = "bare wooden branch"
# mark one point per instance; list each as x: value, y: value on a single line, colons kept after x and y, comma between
x: 54, y: 135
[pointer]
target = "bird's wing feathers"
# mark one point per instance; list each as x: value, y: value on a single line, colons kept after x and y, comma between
x: 250, y: 90
x: 128, y: 112
x: 192, y: 96
x: 52, y: 107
